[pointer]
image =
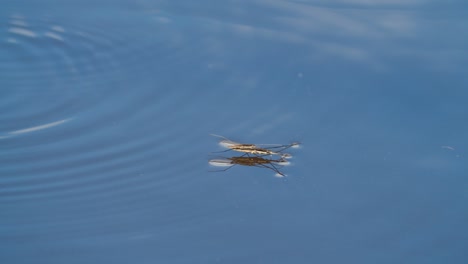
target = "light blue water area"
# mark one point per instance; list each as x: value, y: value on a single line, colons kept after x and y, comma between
x: 106, y: 111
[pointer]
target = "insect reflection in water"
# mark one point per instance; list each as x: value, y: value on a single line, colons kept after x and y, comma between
x: 256, y: 161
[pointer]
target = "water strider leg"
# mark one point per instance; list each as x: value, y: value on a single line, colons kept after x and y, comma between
x: 273, y: 168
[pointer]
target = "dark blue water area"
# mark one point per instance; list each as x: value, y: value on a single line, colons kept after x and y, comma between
x: 106, y: 111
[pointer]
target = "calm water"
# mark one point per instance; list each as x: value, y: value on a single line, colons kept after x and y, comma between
x: 107, y: 106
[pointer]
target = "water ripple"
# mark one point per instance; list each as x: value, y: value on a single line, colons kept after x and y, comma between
x: 74, y: 125
x: 99, y: 108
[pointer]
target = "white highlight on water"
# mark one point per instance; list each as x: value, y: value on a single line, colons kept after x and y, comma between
x: 53, y: 36
x: 22, y: 32
x: 221, y: 163
x: 40, y: 127
x: 277, y: 175
x: 283, y: 163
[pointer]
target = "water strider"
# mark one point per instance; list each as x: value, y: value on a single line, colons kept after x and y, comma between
x: 257, y: 149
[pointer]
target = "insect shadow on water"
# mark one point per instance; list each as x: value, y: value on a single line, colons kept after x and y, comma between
x: 256, y: 149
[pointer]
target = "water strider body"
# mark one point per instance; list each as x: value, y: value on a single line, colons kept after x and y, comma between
x: 259, y: 149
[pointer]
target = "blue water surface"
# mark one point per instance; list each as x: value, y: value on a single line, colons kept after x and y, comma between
x: 107, y: 109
